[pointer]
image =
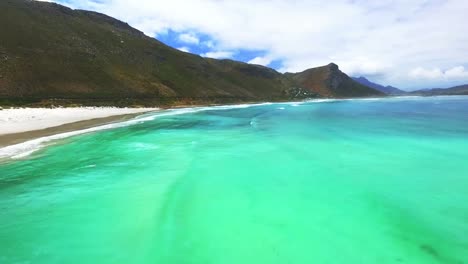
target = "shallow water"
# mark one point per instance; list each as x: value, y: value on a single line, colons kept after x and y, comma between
x: 350, y: 181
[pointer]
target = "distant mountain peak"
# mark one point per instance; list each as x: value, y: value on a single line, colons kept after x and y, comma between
x: 385, y: 89
x: 361, y: 78
x: 330, y: 81
x: 333, y: 66
x: 456, y: 90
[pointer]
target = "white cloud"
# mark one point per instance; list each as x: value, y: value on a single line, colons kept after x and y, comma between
x: 184, y: 49
x: 364, y: 66
x: 189, y: 38
x: 458, y: 72
x: 452, y: 74
x: 386, y: 38
x: 218, y: 54
x: 261, y: 61
x: 209, y: 44
x: 421, y: 73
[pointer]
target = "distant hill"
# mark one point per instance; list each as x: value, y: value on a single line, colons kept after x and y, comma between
x: 329, y: 81
x: 385, y: 89
x: 457, y: 90
x: 48, y: 51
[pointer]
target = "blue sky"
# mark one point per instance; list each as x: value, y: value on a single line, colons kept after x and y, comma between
x: 203, y: 44
x: 407, y: 44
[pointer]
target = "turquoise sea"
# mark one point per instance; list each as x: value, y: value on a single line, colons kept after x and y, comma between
x: 331, y: 181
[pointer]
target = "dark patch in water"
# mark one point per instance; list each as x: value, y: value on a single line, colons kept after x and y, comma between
x: 428, y: 249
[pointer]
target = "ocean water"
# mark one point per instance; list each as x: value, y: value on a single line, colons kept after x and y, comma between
x: 343, y: 181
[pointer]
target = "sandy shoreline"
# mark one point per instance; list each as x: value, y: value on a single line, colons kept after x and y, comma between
x: 18, y: 125
x: 22, y: 124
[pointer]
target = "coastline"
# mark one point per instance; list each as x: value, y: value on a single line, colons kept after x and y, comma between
x: 18, y: 145
x: 9, y: 139
x: 19, y: 134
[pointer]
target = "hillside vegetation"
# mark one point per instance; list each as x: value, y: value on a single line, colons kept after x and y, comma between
x: 51, y: 52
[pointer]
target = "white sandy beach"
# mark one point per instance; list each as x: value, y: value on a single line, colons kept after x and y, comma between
x: 17, y: 120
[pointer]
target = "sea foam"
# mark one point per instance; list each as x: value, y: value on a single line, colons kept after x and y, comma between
x: 27, y: 148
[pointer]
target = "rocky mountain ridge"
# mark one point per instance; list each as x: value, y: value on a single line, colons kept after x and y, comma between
x: 390, y: 90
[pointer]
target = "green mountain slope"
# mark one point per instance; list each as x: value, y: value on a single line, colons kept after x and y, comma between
x: 50, y: 51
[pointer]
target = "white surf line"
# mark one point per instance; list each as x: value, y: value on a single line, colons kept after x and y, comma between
x: 25, y: 149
